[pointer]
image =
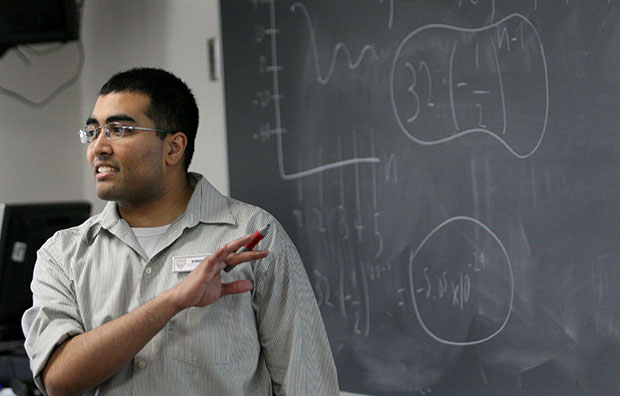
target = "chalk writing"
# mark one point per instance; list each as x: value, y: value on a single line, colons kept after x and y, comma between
x: 436, y: 284
x: 340, y: 47
x: 405, y: 87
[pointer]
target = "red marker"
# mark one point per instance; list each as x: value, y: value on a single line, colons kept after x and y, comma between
x: 258, y: 235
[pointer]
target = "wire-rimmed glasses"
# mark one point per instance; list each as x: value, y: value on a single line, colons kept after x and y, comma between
x: 111, y: 131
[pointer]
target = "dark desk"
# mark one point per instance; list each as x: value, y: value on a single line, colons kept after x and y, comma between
x: 15, y: 369
x: 14, y: 366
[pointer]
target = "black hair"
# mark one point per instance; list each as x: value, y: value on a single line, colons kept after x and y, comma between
x: 172, y: 104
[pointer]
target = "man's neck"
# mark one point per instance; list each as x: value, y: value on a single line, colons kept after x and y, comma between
x: 160, y: 211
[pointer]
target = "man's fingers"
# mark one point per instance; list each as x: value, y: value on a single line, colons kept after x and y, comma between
x: 237, y: 243
x: 251, y: 255
x: 236, y: 287
x: 231, y: 247
x: 223, y: 256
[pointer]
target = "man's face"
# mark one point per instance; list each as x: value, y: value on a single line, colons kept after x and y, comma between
x: 129, y: 170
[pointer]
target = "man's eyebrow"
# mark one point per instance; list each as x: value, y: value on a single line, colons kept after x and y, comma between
x: 112, y: 118
x: 120, y: 117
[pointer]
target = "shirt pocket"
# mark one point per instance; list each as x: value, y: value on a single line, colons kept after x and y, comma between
x: 201, y: 335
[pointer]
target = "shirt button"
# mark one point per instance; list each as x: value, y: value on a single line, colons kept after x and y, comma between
x: 142, y: 364
x: 148, y: 270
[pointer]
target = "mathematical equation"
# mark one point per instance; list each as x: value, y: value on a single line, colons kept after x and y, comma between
x: 434, y: 104
x: 443, y: 278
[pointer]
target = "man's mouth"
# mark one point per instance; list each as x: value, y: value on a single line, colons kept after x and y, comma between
x: 106, y: 169
x: 103, y: 172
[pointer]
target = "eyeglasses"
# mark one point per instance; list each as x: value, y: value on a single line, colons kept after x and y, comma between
x: 111, y: 131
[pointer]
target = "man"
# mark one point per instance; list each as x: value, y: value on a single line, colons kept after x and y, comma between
x: 116, y: 309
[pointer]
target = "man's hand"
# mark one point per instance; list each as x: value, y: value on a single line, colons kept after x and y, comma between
x: 203, y: 285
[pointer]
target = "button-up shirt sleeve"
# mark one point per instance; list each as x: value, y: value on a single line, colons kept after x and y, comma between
x: 54, y: 316
x: 291, y: 330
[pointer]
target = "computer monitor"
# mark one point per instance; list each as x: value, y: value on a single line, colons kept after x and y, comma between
x: 24, y: 228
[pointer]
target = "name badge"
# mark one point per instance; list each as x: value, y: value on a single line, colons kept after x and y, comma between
x: 187, y: 263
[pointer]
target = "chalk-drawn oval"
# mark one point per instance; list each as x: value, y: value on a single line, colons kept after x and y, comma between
x: 442, y: 312
x: 450, y: 114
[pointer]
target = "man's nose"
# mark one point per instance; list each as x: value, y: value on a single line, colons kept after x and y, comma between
x: 101, y: 145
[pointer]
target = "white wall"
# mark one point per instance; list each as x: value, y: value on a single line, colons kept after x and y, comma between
x: 40, y: 155
x: 39, y: 150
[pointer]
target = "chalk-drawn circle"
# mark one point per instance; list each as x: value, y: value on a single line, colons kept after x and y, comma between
x: 432, y: 298
x: 401, y: 65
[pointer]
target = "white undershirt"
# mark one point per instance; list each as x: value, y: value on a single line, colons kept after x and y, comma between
x: 148, y: 237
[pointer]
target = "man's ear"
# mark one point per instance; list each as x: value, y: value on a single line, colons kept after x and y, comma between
x: 175, y: 148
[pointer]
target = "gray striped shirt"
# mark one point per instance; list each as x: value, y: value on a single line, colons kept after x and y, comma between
x: 268, y: 341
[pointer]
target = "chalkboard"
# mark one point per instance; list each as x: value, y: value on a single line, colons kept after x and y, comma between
x: 450, y: 172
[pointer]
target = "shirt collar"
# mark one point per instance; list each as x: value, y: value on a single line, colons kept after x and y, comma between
x: 206, y: 205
